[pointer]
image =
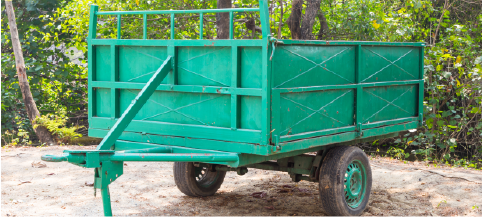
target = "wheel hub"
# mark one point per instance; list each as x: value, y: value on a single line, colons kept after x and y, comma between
x: 200, y: 173
x: 354, y: 184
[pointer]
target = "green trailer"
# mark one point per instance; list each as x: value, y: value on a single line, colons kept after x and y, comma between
x: 213, y: 106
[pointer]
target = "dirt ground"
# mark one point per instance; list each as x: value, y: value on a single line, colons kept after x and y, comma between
x: 148, y: 189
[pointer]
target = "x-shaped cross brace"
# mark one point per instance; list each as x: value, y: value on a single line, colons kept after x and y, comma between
x: 315, y: 111
x: 316, y: 65
x: 388, y: 104
x: 177, y: 109
x: 198, y: 73
x: 391, y: 63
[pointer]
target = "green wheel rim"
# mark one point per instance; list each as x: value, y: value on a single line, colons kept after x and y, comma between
x: 355, y: 183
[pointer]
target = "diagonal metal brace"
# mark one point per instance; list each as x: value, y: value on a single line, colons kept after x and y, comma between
x: 136, y: 105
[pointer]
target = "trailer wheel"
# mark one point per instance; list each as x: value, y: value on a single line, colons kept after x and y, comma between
x: 197, y: 181
x: 345, y: 181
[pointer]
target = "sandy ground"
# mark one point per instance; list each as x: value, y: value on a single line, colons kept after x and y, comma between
x: 148, y: 189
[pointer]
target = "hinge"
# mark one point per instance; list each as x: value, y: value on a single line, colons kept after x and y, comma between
x: 359, y: 131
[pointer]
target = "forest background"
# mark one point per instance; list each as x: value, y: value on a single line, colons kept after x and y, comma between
x: 53, y: 37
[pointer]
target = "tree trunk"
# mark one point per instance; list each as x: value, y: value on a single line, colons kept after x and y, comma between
x: 309, y: 19
x: 304, y: 29
x: 222, y: 20
x: 294, y: 19
x: 280, y: 24
x: 42, y: 133
x: 323, y: 24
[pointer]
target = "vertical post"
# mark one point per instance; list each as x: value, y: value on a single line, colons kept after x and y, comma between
x: 119, y: 26
x: 276, y: 116
x: 172, y: 76
x: 230, y: 25
x: 114, y: 77
x: 144, y: 35
x: 106, y: 201
x: 264, y: 17
x: 265, y: 75
x: 421, y: 86
x: 420, y: 101
x: 93, y: 21
x: 266, y: 86
x: 201, y: 25
x: 172, y: 26
x: 91, y: 58
x: 359, y: 91
x: 358, y: 63
x: 235, y: 82
x: 421, y: 59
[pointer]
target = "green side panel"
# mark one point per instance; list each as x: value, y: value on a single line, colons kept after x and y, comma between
x: 302, y: 66
x: 250, y: 112
x: 102, y: 63
x: 138, y: 64
x: 389, y: 102
x: 389, y: 63
x: 316, y: 110
x: 251, y: 67
x: 102, y: 104
x: 182, y: 108
x: 209, y: 66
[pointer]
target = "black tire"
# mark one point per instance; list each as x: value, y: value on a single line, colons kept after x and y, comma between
x: 335, y: 199
x: 197, y: 181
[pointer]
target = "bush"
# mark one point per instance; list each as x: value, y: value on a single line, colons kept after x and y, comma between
x: 56, y: 125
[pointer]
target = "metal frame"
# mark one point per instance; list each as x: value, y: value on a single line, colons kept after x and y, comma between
x: 234, y: 147
x: 247, y: 136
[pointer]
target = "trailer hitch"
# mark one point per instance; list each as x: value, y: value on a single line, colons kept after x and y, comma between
x: 108, y: 164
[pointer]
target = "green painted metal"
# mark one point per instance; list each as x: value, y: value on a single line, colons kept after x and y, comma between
x: 106, y: 201
x: 241, y: 103
x: 144, y: 29
x: 135, y: 106
x: 119, y: 25
x: 172, y: 25
x: 177, y: 11
x: 355, y: 183
x: 86, y: 158
x: 201, y: 25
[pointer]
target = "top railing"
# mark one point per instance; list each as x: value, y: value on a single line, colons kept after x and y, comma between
x: 263, y: 10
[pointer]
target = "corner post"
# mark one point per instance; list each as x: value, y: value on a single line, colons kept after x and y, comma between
x: 91, y: 58
x: 421, y: 86
x: 264, y: 18
x: 93, y: 22
x: 265, y: 75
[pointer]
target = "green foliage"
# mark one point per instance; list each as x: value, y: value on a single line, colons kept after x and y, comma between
x: 10, y: 139
x: 56, y: 125
x: 397, y: 152
x: 451, y: 29
x: 56, y: 82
